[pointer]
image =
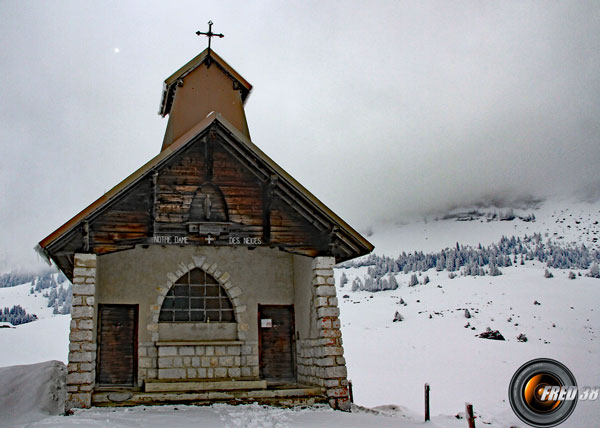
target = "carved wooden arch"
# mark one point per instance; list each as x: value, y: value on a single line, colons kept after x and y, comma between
x: 223, y: 278
x: 208, y: 204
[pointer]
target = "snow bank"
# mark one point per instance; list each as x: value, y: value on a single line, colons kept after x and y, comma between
x: 32, y: 392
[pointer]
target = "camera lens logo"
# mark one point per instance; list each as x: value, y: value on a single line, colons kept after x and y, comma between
x: 543, y: 393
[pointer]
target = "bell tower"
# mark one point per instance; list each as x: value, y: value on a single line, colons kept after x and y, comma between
x: 203, y: 85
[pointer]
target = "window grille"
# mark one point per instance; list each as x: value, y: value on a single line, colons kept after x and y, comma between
x: 196, y: 297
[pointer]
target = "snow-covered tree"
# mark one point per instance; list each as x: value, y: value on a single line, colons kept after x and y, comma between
x: 392, y: 283
x: 594, y: 271
x: 413, y: 280
x: 343, y: 280
x: 494, y: 271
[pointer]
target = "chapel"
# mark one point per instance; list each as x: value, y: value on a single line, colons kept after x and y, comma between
x: 207, y: 274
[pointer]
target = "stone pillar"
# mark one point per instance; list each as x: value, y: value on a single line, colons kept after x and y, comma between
x: 82, y: 347
x: 328, y: 355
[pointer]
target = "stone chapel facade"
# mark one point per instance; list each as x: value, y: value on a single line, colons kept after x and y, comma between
x: 207, y: 274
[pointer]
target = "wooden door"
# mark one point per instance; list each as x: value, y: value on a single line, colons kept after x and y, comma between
x: 117, y: 344
x: 276, y: 340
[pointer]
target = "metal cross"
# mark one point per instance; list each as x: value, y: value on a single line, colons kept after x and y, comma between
x: 209, y: 239
x: 209, y: 34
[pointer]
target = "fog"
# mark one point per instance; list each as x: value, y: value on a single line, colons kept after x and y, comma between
x: 382, y: 109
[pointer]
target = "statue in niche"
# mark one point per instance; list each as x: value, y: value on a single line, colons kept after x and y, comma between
x: 207, y: 207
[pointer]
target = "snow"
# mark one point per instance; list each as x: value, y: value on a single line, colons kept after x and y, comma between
x: 390, y: 362
x: 32, y: 392
x: 459, y: 366
x: 247, y: 416
x: 553, y: 220
x: 33, y: 303
x: 42, y: 340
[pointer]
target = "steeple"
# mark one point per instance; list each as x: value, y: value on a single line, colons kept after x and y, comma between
x: 203, y: 85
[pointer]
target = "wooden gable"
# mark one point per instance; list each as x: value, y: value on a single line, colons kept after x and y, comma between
x: 212, y: 187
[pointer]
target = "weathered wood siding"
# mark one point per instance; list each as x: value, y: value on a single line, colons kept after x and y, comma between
x: 248, y: 200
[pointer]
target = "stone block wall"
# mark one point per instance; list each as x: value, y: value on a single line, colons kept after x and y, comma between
x: 147, y: 361
x: 82, y: 346
x: 198, y: 361
x: 218, y: 361
x: 321, y: 358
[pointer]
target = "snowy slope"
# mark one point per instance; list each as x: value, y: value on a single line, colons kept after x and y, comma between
x: 41, y: 340
x: 575, y: 222
x: 440, y: 350
x: 19, y: 295
x: 34, y: 342
x: 389, y: 362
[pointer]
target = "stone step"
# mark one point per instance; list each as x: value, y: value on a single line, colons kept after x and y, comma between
x: 302, y: 396
x: 192, y: 386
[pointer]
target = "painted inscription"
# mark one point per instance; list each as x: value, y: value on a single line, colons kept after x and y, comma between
x: 183, y: 240
x: 238, y: 240
x: 170, y: 239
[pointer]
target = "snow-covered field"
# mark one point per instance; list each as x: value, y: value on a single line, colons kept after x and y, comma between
x: 42, y: 340
x: 389, y: 362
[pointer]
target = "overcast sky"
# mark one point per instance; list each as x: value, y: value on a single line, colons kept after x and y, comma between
x: 379, y: 108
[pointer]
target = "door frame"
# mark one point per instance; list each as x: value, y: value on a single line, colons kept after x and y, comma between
x: 292, y: 341
x: 136, y: 308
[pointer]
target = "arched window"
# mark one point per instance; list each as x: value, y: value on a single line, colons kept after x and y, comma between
x: 196, y: 297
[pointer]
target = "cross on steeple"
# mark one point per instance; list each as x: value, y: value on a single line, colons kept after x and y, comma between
x: 209, y: 34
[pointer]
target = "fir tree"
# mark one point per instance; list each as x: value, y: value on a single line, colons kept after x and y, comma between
x: 343, y: 280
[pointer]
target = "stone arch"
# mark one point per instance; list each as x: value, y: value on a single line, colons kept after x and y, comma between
x: 197, y: 297
x: 223, y: 278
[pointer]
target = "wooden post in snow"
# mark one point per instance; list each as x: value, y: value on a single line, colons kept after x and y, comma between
x: 469, y: 415
x: 427, y: 402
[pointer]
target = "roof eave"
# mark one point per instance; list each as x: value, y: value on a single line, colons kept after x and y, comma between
x: 127, y: 182
x: 182, y: 141
x: 294, y: 183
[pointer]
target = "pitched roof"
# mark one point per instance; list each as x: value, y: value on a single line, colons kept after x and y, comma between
x: 171, y: 82
x: 356, y: 241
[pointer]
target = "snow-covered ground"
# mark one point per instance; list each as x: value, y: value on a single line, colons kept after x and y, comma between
x: 246, y: 416
x: 390, y: 362
x: 42, y: 340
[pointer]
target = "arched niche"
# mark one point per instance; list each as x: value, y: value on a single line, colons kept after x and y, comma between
x: 208, y: 205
